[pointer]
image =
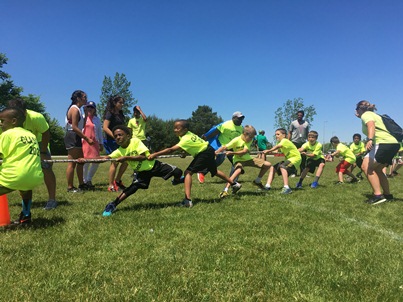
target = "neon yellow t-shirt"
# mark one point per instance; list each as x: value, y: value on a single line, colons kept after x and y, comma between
x: 192, y: 144
x: 21, y: 168
x: 238, y: 144
x: 136, y: 147
x: 290, y: 152
x: 36, y: 123
x: 382, y: 136
x: 357, y: 148
x: 315, y: 149
x: 229, y: 131
x: 138, y: 126
x: 347, y: 154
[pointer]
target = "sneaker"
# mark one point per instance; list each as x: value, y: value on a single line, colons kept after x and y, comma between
x: 236, y: 187
x: 112, y: 189
x: 186, y: 203
x: 109, y: 209
x: 376, y: 200
x: 266, y: 188
x: 23, y: 220
x: 299, y: 185
x: 51, y: 204
x: 84, y: 187
x: 354, y: 180
x: 258, y: 184
x: 118, y: 185
x: 389, y: 197
x: 177, y: 182
x: 292, y: 175
x: 200, y: 177
x: 73, y: 190
x: 90, y: 185
x: 339, y: 183
x: 224, y: 194
x: 359, y: 175
x: 286, y: 190
x: 314, y: 185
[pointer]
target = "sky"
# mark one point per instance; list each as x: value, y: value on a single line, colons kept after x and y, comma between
x: 249, y: 56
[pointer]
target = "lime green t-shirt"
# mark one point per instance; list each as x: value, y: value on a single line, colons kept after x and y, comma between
x: 315, y: 149
x: 36, y: 123
x: 21, y: 168
x: 347, y: 154
x: 138, y: 126
x: 192, y: 144
x: 238, y: 144
x: 382, y: 136
x: 136, y: 147
x: 229, y: 131
x: 290, y: 152
x: 357, y: 148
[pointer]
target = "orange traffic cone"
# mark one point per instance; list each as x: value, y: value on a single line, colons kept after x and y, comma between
x: 4, y: 212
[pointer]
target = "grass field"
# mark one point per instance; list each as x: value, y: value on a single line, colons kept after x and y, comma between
x: 312, y: 245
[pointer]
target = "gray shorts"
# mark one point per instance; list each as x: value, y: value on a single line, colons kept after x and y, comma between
x: 72, y: 140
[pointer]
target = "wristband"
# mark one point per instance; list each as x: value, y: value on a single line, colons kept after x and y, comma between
x: 370, y: 139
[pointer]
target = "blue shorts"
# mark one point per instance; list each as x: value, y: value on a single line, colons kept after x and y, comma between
x: 110, y: 145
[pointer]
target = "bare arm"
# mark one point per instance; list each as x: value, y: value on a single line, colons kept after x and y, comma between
x: 163, y: 152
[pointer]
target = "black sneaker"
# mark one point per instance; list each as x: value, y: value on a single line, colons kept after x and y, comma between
x: 354, y: 180
x: 389, y: 197
x: 376, y: 200
x: 73, y: 190
x: 84, y: 187
x: 23, y: 220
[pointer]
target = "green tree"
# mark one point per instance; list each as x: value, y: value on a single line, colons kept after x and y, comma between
x: 119, y: 86
x: 203, y: 118
x: 285, y: 114
x: 7, y: 88
x: 161, y: 133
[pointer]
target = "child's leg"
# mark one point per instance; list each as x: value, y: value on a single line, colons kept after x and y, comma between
x: 270, y: 177
x: 284, y: 175
x: 264, y: 169
x: 340, y: 176
x: 303, y: 175
x: 26, y: 202
x: 188, y: 184
x: 234, y: 176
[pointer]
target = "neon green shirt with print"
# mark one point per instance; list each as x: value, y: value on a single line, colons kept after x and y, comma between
x: 382, y: 136
x: 36, y: 123
x: 21, y: 168
x: 347, y: 154
x: 238, y: 144
x: 135, y: 148
x: 290, y: 152
x: 229, y: 131
x: 192, y: 144
x: 357, y: 148
x: 138, y: 126
x: 315, y: 149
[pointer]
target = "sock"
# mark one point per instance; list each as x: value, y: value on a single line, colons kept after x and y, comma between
x: 258, y: 180
x: 316, y: 178
x: 225, y: 189
x: 26, y: 207
x: 267, y: 186
x: 287, y: 187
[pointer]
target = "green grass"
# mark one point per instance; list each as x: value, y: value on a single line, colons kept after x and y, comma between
x: 311, y: 245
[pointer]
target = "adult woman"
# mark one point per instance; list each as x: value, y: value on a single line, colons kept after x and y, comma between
x: 114, y: 116
x: 92, y: 129
x: 72, y: 140
x: 381, y: 147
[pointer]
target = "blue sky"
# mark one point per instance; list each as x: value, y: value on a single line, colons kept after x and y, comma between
x: 249, y: 56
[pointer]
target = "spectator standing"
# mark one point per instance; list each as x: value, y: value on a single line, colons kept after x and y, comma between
x: 298, y: 134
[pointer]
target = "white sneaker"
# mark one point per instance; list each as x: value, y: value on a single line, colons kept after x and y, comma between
x: 236, y: 187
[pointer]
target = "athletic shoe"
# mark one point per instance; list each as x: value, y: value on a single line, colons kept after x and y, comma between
x: 186, y: 203
x: 224, y: 194
x: 339, y: 183
x: 359, y: 175
x: 258, y: 184
x: 23, y: 220
x: 299, y: 185
x: 112, y: 189
x: 51, y: 204
x: 376, y: 200
x: 266, y: 188
x: 84, y: 187
x: 90, y: 185
x: 118, y: 185
x: 73, y: 190
x: 236, y: 187
x: 389, y: 197
x: 200, y: 177
x: 177, y: 182
x: 354, y: 180
x: 314, y: 185
x: 286, y: 190
x: 292, y: 175
x: 109, y: 209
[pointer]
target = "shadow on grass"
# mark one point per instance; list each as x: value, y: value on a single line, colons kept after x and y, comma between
x: 36, y: 224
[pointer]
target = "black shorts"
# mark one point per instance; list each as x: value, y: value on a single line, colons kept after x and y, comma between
x: 384, y: 153
x: 286, y: 165
x: 312, y: 164
x: 72, y: 140
x: 204, y: 160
